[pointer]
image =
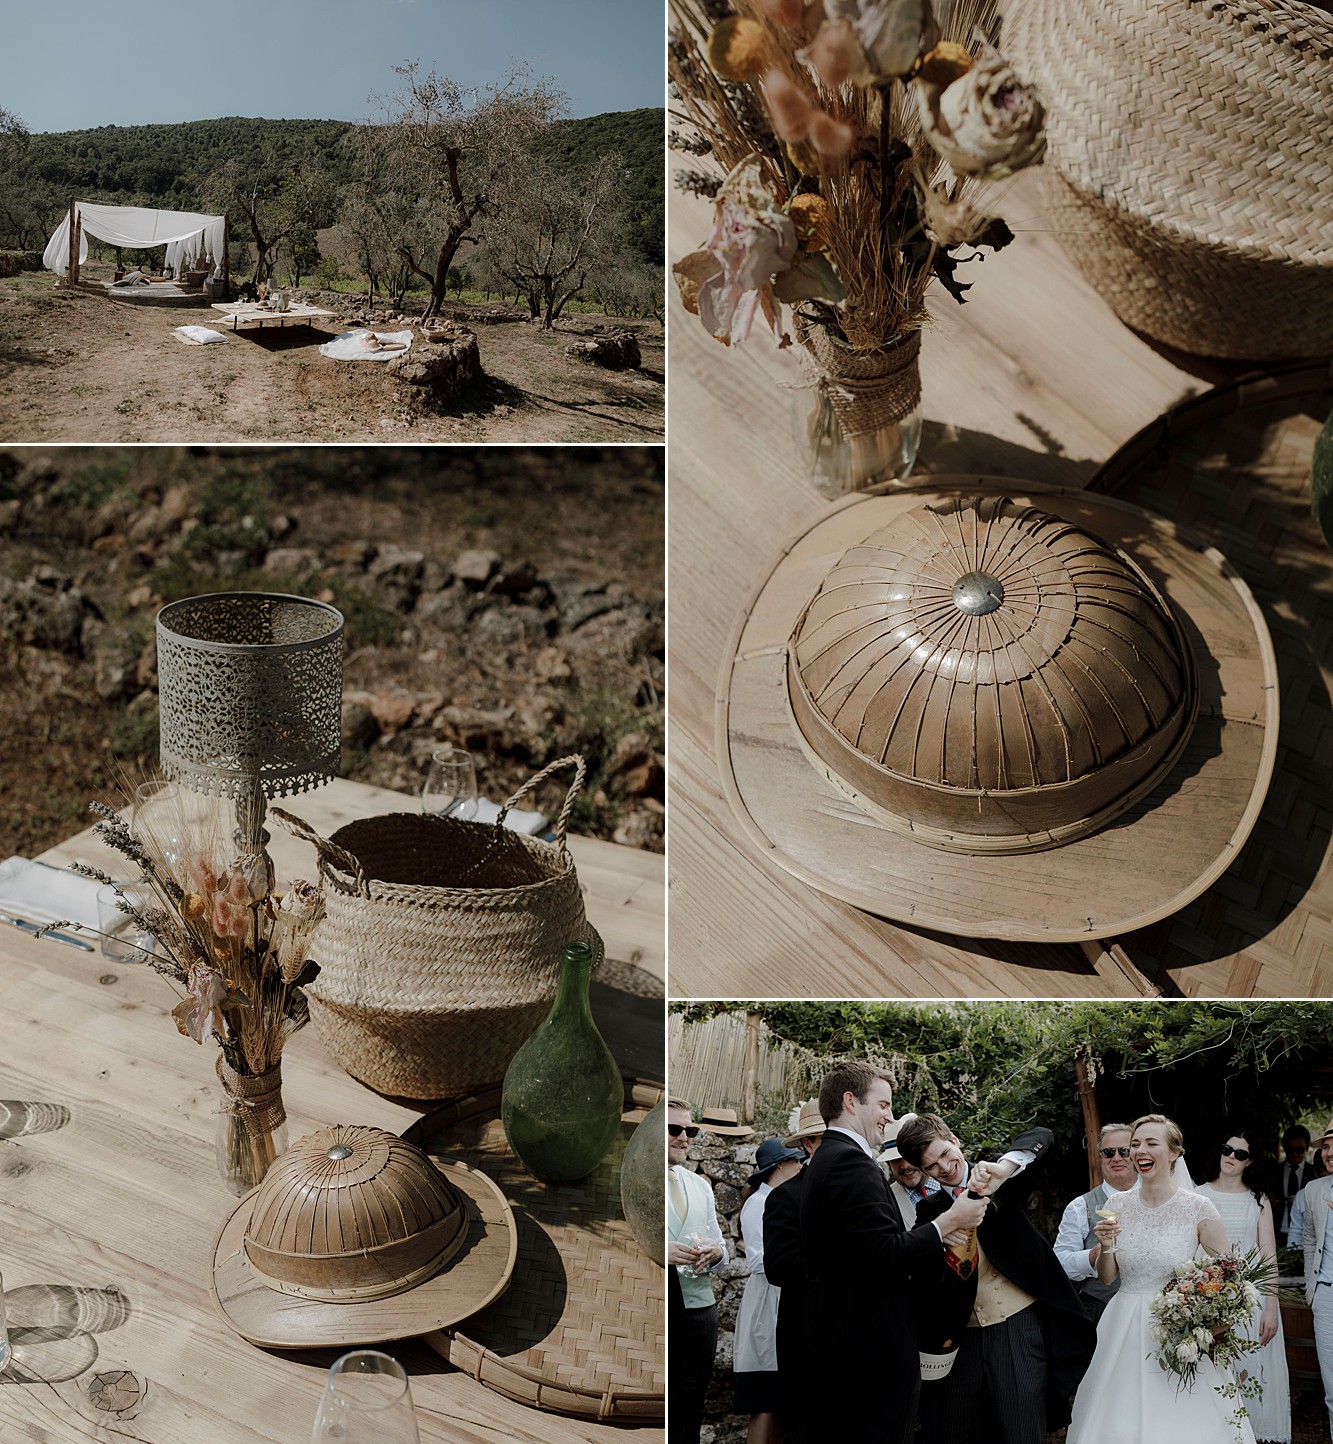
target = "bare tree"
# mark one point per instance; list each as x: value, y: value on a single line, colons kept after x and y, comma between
x: 432, y: 166
x: 272, y: 202
x: 553, y: 227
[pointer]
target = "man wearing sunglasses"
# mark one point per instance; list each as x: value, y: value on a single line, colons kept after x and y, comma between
x: 695, y: 1249
x: 1317, y: 1240
x: 1076, y: 1244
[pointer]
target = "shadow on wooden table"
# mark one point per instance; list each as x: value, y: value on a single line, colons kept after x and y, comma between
x: 51, y: 1329
x: 953, y: 450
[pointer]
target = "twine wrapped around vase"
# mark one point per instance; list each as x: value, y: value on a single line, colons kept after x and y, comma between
x: 864, y: 427
x: 252, y: 1128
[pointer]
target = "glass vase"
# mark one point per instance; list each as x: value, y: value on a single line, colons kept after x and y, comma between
x: 860, y: 426
x: 563, y: 1095
x: 642, y: 1197
x: 252, y: 1125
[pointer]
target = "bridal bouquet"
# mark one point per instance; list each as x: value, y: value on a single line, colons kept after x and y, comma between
x: 846, y: 145
x: 1203, y: 1313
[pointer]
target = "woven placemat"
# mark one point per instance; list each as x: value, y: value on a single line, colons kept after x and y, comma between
x: 1232, y: 469
x: 581, y: 1329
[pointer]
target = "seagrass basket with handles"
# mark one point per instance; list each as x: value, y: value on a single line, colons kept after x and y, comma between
x: 440, y: 947
x: 1188, y: 171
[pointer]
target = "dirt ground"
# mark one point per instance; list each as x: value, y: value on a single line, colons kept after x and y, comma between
x: 76, y: 366
x: 98, y: 524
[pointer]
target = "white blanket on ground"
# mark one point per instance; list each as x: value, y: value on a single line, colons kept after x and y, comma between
x: 351, y: 346
x: 198, y: 335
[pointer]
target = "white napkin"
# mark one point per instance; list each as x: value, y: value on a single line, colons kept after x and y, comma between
x: 46, y: 894
x: 517, y: 821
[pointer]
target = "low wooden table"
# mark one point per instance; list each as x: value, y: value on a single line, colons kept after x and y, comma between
x: 111, y: 1196
x: 255, y: 316
x: 1033, y: 378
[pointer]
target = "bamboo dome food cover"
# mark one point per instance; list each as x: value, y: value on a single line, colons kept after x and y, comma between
x: 1188, y: 171
x: 991, y: 678
x: 352, y: 1216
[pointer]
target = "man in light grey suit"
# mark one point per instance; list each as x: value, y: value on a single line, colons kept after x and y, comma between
x: 1317, y: 1198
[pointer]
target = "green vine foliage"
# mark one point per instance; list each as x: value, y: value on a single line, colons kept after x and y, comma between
x: 992, y: 1069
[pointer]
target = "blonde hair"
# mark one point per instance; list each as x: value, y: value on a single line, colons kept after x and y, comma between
x: 1174, y: 1137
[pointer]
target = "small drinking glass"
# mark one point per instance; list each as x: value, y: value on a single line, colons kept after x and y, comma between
x: 451, y: 784
x: 366, y: 1401
x: 122, y: 938
x: 155, y: 818
x: 4, y: 1330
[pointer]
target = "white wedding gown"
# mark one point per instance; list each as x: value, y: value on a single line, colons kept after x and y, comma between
x: 1125, y: 1397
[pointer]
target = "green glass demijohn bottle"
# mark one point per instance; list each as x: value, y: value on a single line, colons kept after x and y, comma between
x: 563, y: 1095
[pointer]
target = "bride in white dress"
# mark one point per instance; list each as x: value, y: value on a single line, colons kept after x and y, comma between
x: 1125, y: 1397
x: 1248, y: 1219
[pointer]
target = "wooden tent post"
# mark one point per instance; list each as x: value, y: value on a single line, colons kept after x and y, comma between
x: 69, y: 255
x: 1092, y: 1125
x: 78, y: 247
x: 226, y: 257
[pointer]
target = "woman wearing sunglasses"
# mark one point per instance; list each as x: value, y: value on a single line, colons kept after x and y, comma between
x: 1236, y: 1185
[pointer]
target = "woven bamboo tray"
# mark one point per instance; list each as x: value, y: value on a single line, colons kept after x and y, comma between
x: 1233, y: 468
x: 581, y: 1329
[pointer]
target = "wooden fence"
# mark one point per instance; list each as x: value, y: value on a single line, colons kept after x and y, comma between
x: 727, y: 1062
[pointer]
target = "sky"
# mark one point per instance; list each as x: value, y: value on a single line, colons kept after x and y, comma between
x: 73, y: 65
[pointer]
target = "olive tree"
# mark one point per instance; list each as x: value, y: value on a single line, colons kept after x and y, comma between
x: 272, y: 203
x: 432, y: 165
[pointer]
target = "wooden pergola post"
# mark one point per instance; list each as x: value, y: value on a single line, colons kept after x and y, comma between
x: 71, y: 250
x: 78, y: 247
x: 226, y: 257
x: 1092, y: 1124
x: 750, y: 1087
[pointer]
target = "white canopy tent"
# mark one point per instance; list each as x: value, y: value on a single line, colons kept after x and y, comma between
x: 186, y: 235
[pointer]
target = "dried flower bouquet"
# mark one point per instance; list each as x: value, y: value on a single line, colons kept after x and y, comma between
x: 847, y: 142
x: 237, y: 948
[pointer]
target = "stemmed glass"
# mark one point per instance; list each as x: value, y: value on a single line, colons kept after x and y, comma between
x: 156, y: 815
x: 1110, y: 1211
x: 366, y: 1401
x: 451, y: 785
x: 4, y: 1331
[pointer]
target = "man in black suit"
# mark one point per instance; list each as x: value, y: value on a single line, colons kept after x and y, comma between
x: 862, y: 1267
x: 1296, y: 1173
x: 784, y: 1266
x: 1002, y: 1301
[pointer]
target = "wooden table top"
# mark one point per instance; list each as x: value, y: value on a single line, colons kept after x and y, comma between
x: 111, y: 1198
x: 1033, y: 378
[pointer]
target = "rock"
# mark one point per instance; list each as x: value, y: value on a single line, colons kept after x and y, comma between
x: 397, y: 570
x: 617, y: 352
x: 515, y: 579
x: 113, y: 669
x: 551, y: 665
x: 475, y: 568
x: 46, y: 610
x: 446, y: 367
x: 291, y: 561
x: 392, y: 710
x: 147, y: 526
x: 624, y: 634
x: 10, y: 512
x: 359, y: 728
x: 475, y: 725
x: 502, y: 627
x: 353, y: 554
x: 179, y: 501
x: 140, y: 596
x: 145, y: 669
x: 450, y: 611
x: 435, y: 575
x: 231, y: 563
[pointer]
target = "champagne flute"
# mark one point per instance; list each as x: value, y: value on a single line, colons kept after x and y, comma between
x: 451, y: 785
x: 155, y: 819
x: 366, y: 1401
x: 1110, y: 1211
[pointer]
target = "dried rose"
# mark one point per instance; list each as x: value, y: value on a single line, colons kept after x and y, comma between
x: 890, y: 34
x: 987, y: 123
x: 303, y: 902
x: 813, y: 218
x: 738, y: 48
x: 199, y: 1014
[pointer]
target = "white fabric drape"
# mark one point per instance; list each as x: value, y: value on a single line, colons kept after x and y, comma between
x: 186, y: 234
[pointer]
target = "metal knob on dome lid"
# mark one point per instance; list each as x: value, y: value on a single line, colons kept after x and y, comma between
x: 991, y: 678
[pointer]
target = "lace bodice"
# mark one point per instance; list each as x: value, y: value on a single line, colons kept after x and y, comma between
x: 1154, y: 1240
x: 1240, y: 1215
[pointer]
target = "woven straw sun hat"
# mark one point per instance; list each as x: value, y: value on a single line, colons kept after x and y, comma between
x: 806, y: 1121
x: 999, y: 709
x: 356, y: 1237
x: 723, y: 1121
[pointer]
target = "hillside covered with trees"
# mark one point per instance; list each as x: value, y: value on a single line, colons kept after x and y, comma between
x: 334, y: 201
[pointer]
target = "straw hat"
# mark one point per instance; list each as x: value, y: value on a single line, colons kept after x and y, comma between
x: 806, y: 1121
x: 724, y: 1121
x: 347, y: 1219
x: 888, y: 1150
x: 933, y: 685
x: 1328, y: 1132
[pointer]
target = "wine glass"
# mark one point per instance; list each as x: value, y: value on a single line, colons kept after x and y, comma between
x: 1110, y: 1211
x: 366, y: 1401
x: 4, y: 1331
x: 155, y: 819
x: 451, y: 784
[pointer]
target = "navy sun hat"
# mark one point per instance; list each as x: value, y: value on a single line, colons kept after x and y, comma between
x: 771, y: 1152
